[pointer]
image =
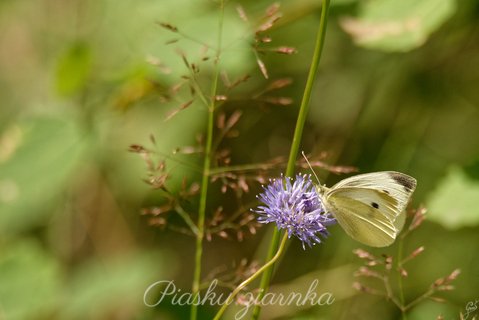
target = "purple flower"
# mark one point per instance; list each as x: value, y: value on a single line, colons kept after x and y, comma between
x: 295, y: 206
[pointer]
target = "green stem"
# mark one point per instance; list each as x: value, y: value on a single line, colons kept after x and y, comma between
x: 303, y: 111
x: 206, y: 173
x: 426, y: 295
x: 252, y: 277
x: 186, y: 217
x: 298, y: 131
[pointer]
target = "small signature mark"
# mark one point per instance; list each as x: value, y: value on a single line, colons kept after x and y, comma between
x: 471, y: 306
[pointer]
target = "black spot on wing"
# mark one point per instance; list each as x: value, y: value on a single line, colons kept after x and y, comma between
x: 375, y: 205
x: 407, y: 182
x: 385, y: 191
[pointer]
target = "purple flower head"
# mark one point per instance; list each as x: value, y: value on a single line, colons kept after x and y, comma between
x: 295, y: 206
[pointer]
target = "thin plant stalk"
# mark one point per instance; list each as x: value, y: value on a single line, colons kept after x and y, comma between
x: 252, y: 277
x: 298, y: 131
x: 400, y: 282
x: 200, y: 234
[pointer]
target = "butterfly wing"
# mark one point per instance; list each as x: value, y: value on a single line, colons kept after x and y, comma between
x: 398, y: 185
x: 370, y: 207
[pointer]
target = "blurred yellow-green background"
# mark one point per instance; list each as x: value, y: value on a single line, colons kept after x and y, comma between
x: 81, y: 81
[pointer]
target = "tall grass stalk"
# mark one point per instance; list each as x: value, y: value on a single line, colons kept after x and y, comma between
x: 298, y: 132
x: 200, y: 234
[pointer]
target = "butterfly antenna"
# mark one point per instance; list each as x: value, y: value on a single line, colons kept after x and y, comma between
x: 309, y: 164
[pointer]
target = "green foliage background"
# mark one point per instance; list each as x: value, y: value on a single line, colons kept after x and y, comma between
x: 76, y: 92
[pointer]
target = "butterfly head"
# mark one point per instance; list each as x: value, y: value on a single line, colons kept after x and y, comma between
x: 321, y: 189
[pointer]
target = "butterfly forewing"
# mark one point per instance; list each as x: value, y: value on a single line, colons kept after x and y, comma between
x: 398, y: 185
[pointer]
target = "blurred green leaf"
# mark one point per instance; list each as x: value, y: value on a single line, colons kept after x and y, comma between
x: 29, y: 281
x: 392, y: 25
x: 73, y: 69
x: 454, y: 203
x: 43, y: 153
x: 114, y: 287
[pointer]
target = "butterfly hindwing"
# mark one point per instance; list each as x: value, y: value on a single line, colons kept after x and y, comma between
x: 363, y: 222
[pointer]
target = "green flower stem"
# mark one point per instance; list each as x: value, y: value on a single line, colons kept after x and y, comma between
x: 252, y: 277
x: 303, y: 111
x: 206, y: 172
x: 298, y: 131
x: 186, y: 218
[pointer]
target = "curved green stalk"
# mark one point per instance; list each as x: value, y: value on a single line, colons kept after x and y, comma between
x: 252, y: 277
x: 298, y: 131
x: 206, y: 173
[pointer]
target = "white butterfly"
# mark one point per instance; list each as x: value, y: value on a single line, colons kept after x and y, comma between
x: 370, y: 207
